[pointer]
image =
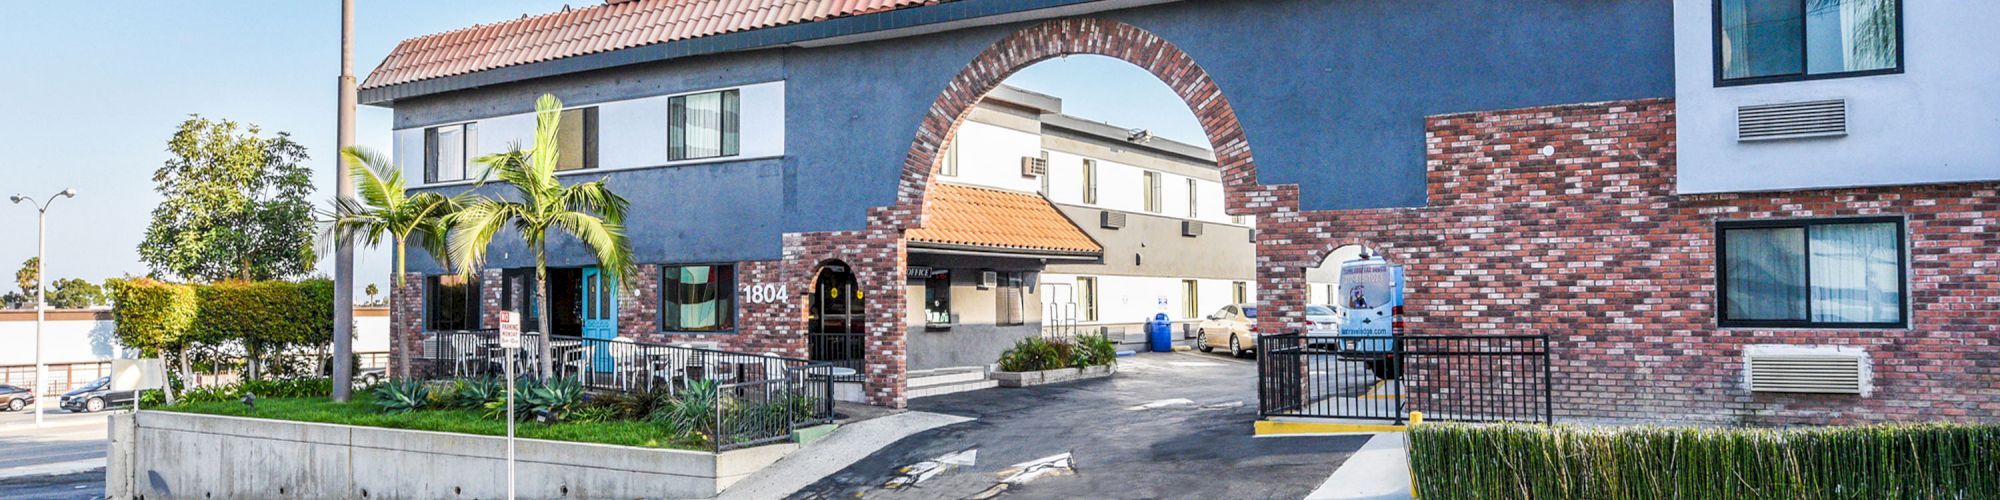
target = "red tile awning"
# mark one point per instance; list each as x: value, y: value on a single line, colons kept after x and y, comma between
x: 600, y: 28
x: 984, y: 218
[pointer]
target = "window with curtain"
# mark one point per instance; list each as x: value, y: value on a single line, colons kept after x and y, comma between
x: 1239, y: 292
x: 937, y: 299
x: 1152, y: 191
x: 1087, y: 287
x: 1193, y: 201
x: 1808, y: 273
x: 705, y: 125
x: 697, y: 298
x: 451, y: 302
x: 1089, y: 181
x: 1190, y: 299
x: 1782, y: 40
x: 576, y: 139
x: 448, y: 152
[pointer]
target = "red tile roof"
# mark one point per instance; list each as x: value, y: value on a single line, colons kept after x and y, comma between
x: 970, y: 216
x: 600, y: 28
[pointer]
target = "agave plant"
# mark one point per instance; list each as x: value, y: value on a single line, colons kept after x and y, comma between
x: 473, y: 393
x: 556, y: 397
x: 402, y: 396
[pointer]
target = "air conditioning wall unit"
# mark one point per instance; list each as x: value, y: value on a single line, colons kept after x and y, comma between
x: 1791, y: 120
x: 1111, y: 220
x: 989, y: 279
x: 1191, y: 228
x: 1033, y: 166
x: 1807, y: 369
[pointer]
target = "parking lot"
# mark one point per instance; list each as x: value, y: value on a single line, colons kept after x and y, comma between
x: 1168, y: 425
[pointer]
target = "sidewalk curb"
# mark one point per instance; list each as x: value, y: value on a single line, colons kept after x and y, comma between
x: 1379, y: 470
x: 54, y: 469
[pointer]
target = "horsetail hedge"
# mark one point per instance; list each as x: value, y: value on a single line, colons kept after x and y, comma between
x: 1509, y: 461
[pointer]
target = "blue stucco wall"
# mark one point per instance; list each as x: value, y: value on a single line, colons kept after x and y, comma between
x: 1331, y: 94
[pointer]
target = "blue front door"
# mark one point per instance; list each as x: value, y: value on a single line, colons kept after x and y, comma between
x: 600, y: 314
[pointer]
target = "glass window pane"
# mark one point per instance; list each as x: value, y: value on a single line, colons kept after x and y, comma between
x: 731, y: 122
x: 698, y: 125
x: 1766, y: 272
x: 451, y: 153
x: 699, y: 298
x: 1850, y: 35
x: 937, y: 299
x: 1854, y: 273
x: 572, y: 139
x: 1762, y: 37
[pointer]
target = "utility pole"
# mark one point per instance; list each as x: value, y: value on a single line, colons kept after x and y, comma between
x: 343, y: 252
x: 41, y: 293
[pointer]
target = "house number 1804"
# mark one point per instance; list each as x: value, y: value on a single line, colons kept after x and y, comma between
x: 765, y: 293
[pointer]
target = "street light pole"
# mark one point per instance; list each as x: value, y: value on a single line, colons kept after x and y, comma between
x: 343, y: 250
x: 41, y: 291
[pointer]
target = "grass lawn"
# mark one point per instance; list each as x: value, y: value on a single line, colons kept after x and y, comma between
x: 361, y: 411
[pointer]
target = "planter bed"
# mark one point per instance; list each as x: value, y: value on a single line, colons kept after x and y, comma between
x: 1026, y: 379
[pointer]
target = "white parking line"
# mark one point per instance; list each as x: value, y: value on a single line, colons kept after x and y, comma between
x: 69, y: 467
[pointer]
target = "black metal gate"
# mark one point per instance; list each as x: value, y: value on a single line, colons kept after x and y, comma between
x: 1471, y: 378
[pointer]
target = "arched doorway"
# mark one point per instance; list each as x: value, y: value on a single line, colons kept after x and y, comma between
x: 837, y: 317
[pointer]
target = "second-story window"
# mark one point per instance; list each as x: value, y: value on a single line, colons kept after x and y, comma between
x: 704, y: 125
x: 1781, y: 40
x: 1152, y: 191
x: 1089, y: 181
x: 576, y: 139
x: 448, y: 152
x: 1192, y: 201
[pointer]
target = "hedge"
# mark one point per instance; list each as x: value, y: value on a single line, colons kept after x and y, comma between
x: 153, y: 315
x: 266, y: 313
x: 1885, y: 461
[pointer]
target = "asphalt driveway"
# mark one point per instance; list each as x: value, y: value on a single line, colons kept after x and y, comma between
x: 1168, y: 425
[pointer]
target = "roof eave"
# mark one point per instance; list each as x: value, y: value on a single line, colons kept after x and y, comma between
x: 897, y: 23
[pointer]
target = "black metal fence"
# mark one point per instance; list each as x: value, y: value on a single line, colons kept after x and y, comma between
x: 1470, y: 378
x: 845, y: 350
x: 757, y: 398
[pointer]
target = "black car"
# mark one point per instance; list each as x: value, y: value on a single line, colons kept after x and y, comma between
x: 96, y: 397
x: 15, y: 398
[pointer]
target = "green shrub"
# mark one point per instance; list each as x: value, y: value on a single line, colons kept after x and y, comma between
x: 1886, y: 461
x: 402, y: 396
x: 1093, y: 350
x: 1039, y: 353
x: 637, y: 405
x: 265, y: 317
x: 304, y: 387
x: 693, y: 411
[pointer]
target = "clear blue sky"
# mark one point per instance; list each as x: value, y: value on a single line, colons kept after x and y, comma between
x: 93, y: 90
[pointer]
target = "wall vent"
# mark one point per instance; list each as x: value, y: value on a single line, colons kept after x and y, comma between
x: 1190, y: 228
x: 1830, y: 370
x: 1792, y: 120
x: 1111, y: 220
x: 1032, y: 166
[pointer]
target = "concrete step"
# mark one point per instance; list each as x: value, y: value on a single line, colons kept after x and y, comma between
x: 943, y: 389
x: 946, y: 376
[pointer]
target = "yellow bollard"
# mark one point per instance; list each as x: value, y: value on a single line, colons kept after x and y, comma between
x: 1416, y: 417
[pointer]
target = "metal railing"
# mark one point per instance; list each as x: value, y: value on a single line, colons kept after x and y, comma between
x: 63, y: 377
x: 759, y: 398
x: 1470, y: 378
x: 845, y: 350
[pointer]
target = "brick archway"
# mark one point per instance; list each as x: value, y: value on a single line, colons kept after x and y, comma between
x: 1086, y: 36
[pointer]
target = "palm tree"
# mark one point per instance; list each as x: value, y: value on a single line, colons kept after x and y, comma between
x: 588, y: 211
x: 387, y: 210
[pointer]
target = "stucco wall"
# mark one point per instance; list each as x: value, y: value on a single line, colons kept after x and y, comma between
x: 1346, y: 125
x: 1932, y: 123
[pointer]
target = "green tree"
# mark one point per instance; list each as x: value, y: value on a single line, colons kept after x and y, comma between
x: 29, y: 279
x: 74, y: 293
x: 387, y: 210
x: 372, y: 291
x: 236, y: 205
x: 587, y: 211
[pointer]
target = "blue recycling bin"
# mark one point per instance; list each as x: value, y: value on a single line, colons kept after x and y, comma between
x: 1160, y: 333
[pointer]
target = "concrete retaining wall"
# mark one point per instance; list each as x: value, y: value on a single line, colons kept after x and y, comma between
x: 175, y: 455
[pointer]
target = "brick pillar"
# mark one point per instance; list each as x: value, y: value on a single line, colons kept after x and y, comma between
x: 406, y: 320
x: 639, y: 304
x: 491, y: 283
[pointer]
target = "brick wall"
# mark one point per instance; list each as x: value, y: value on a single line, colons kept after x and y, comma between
x: 406, y: 320
x: 1563, y: 220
